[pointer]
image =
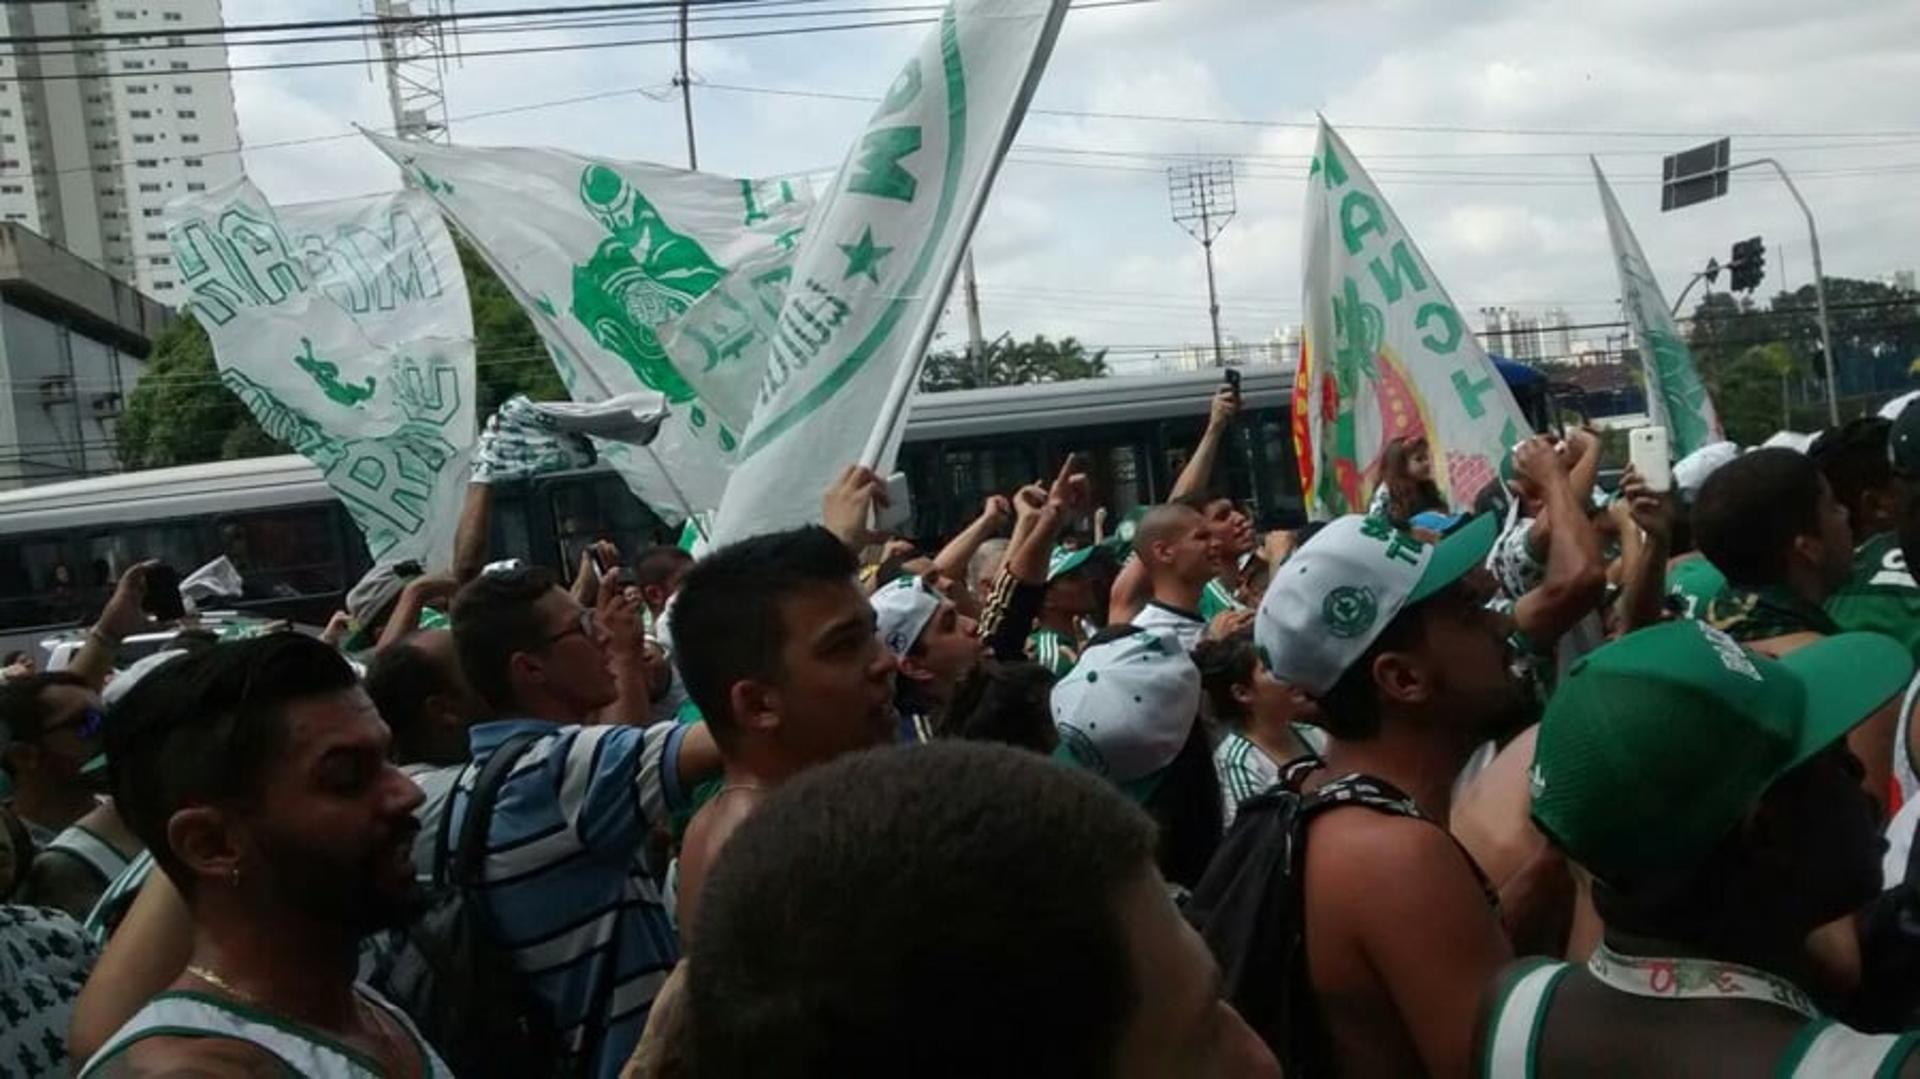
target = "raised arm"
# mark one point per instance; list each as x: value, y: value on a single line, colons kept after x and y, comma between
x: 1644, y: 536
x: 471, y: 538
x: 1198, y: 473
x: 122, y: 616
x: 957, y: 555
x: 1576, y: 577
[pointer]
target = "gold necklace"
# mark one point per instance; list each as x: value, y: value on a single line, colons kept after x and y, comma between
x: 738, y: 787
x: 220, y: 983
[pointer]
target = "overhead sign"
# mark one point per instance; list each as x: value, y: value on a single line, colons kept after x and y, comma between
x: 1696, y: 175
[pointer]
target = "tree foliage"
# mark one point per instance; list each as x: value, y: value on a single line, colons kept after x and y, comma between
x: 1013, y: 363
x: 179, y: 413
x: 1764, y: 368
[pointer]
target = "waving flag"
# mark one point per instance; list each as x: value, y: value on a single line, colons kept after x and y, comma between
x: 1676, y: 398
x: 615, y: 260
x: 1385, y: 353
x: 879, y: 257
x: 345, y: 329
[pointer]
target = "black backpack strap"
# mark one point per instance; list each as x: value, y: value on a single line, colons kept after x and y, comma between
x: 478, y: 819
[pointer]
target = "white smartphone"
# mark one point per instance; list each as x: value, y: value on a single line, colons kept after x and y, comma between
x: 1651, y: 455
x: 898, y: 513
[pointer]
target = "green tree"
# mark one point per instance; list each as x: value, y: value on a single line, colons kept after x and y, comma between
x: 179, y: 413
x: 1013, y: 363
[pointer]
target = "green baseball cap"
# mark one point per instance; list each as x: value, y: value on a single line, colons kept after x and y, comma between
x: 1657, y: 745
x: 1063, y: 561
x: 1120, y: 544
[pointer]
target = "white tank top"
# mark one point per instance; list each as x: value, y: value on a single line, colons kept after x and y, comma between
x: 303, y: 1051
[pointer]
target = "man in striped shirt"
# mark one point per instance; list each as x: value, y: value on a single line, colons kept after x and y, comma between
x: 570, y: 893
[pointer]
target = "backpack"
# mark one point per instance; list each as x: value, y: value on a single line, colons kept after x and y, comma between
x: 447, y: 973
x: 1250, y: 908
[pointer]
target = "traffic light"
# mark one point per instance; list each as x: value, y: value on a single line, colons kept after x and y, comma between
x: 1748, y: 265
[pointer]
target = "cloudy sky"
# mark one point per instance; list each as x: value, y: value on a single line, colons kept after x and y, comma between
x: 1474, y: 118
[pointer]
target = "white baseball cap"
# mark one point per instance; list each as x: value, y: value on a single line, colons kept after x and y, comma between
x: 1327, y: 605
x: 1127, y: 707
x: 903, y: 607
x: 1690, y: 472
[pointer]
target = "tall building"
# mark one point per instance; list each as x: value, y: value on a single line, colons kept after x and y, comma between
x: 98, y: 135
x: 1556, y: 335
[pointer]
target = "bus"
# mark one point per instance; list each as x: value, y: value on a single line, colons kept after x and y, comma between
x: 62, y: 546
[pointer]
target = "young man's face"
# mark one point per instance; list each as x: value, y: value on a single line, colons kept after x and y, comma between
x: 833, y: 691
x: 332, y: 834
x: 1182, y: 1025
x: 70, y: 735
x: 1818, y: 820
x: 1189, y: 554
x: 1836, y: 539
x: 1466, y: 651
x: 948, y: 648
x: 572, y: 664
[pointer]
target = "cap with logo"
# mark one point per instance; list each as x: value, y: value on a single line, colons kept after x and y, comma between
x: 1120, y: 544
x: 1655, y: 746
x: 1328, y: 603
x: 1126, y: 708
x: 903, y: 607
x: 1065, y: 560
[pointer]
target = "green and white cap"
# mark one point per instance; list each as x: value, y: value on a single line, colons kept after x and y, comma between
x: 1127, y: 707
x: 1657, y: 745
x: 903, y: 607
x: 1064, y: 560
x: 1329, y: 602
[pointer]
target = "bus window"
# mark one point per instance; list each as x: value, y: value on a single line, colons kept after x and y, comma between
x: 595, y: 507
x: 105, y: 556
x: 1118, y: 474
x: 508, y: 535
x: 971, y: 473
x: 37, y: 583
x: 284, y: 553
x: 1270, y: 438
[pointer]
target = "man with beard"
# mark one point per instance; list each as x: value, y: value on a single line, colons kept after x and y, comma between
x: 262, y: 787
x: 1411, y: 670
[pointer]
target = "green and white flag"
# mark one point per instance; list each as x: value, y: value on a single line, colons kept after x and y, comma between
x: 1384, y: 353
x: 344, y: 327
x: 1676, y: 398
x: 878, y: 259
x: 608, y: 257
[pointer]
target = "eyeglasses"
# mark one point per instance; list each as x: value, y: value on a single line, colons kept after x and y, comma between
x: 87, y: 722
x: 585, y: 626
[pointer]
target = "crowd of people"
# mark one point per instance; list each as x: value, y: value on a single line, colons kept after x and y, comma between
x: 1572, y: 781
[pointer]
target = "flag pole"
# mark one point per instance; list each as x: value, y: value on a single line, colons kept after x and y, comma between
x: 887, y: 423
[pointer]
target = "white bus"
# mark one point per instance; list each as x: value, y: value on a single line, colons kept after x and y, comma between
x: 63, y: 545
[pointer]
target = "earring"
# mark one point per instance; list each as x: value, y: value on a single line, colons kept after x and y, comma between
x: 233, y: 876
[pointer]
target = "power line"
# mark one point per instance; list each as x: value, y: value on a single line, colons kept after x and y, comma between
x: 1309, y: 125
x: 378, y: 23
x: 529, y: 50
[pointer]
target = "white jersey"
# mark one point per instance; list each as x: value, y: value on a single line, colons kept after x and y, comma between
x: 1186, y: 626
x: 304, y: 1052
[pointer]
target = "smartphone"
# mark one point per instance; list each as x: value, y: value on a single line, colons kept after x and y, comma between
x: 898, y: 512
x: 162, y: 597
x: 408, y: 570
x: 599, y: 563
x: 1649, y: 452
x: 1232, y: 377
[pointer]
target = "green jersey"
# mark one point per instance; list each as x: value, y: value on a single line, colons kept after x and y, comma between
x: 1053, y: 650
x: 1217, y: 599
x: 1881, y: 596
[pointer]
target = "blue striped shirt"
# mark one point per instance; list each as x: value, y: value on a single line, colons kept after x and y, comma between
x: 569, y: 892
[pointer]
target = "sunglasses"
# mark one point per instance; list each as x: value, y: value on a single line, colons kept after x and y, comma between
x: 87, y: 722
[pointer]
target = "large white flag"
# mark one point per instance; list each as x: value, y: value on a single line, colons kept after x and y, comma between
x: 606, y: 257
x: 345, y: 329
x: 1676, y: 398
x: 1385, y: 353
x: 879, y: 257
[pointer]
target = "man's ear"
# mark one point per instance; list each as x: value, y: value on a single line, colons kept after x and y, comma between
x: 1243, y: 693
x: 1402, y: 677
x: 203, y: 839
x: 914, y: 669
x: 524, y: 668
x: 756, y: 706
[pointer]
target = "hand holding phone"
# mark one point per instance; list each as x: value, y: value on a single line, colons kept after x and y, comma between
x: 1649, y: 451
x: 897, y: 514
x: 162, y: 596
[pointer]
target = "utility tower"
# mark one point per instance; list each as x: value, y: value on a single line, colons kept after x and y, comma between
x: 413, y: 49
x: 1203, y: 203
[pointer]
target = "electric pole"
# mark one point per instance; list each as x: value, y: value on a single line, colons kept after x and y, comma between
x: 1203, y: 202
x: 413, y: 49
x: 976, y: 341
x: 686, y: 88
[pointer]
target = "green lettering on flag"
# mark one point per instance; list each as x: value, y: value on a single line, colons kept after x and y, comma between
x: 1449, y: 321
x: 1359, y: 215
x: 1470, y: 392
x: 877, y: 170
x: 1393, y: 283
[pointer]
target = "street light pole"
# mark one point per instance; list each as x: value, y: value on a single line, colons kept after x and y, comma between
x: 1819, y: 284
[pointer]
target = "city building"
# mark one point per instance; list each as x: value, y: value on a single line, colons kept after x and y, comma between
x: 97, y: 135
x: 1556, y: 334
x: 1900, y: 279
x: 73, y: 340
